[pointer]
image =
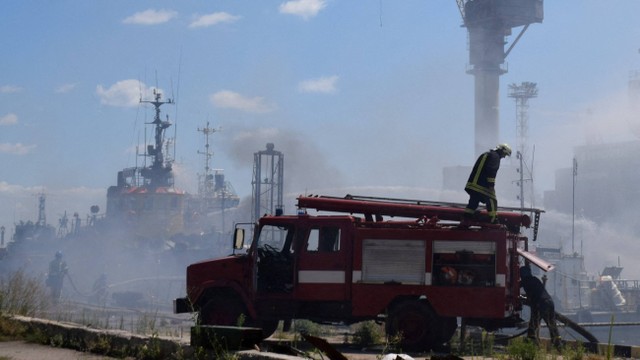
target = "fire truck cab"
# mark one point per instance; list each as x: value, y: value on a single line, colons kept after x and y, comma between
x: 418, y: 272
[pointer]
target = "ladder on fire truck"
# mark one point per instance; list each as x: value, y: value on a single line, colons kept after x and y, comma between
x: 376, y: 207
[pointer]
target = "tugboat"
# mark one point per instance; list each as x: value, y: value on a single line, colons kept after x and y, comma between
x: 145, y: 199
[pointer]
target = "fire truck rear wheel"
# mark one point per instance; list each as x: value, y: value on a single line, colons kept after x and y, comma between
x: 418, y: 325
x: 448, y: 328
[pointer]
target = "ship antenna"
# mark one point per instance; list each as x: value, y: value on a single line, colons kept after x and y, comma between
x: 206, y: 187
x: 159, y: 173
x: 176, y: 98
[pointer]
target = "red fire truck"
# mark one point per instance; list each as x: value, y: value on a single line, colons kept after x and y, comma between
x: 412, y: 264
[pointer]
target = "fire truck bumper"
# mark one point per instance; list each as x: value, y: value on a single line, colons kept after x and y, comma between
x: 182, y: 305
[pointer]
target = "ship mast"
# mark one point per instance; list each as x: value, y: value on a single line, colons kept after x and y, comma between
x: 159, y: 173
x: 205, y: 187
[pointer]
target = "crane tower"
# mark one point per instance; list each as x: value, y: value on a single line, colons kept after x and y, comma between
x: 488, y: 23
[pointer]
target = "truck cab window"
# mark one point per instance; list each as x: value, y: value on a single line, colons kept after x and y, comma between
x: 324, y: 239
x: 275, y: 238
x: 275, y: 261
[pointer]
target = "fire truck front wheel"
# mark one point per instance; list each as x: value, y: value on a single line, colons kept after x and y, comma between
x: 269, y: 327
x: 417, y: 325
x: 223, y: 310
x: 228, y: 310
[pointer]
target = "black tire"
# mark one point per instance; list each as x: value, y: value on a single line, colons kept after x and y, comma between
x: 420, y: 328
x: 448, y: 327
x: 268, y: 327
x: 225, y: 310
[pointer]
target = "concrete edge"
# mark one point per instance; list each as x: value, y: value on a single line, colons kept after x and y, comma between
x: 86, y: 339
x: 620, y: 351
x: 79, y: 338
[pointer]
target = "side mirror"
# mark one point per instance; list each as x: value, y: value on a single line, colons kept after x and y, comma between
x: 238, y: 239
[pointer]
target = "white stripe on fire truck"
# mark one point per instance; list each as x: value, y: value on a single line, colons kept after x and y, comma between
x: 324, y: 277
x: 356, y: 276
x: 500, y: 278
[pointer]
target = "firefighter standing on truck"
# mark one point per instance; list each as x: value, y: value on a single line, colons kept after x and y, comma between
x: 482, y: 181
x: 541, y: 305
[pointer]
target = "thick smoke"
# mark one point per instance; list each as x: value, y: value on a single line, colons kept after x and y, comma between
x: 305, y: 165
x: 606, y: 244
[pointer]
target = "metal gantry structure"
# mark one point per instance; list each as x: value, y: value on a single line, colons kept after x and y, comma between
x: 488, y: 22
x: 268, y: 182
x: 521, y: 94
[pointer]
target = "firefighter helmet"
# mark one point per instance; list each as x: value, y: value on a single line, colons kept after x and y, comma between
x: 505, y: 148
x: 466, y: 277
x: 449, y: 274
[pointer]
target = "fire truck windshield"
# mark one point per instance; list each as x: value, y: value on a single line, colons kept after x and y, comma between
x: 275, y: 238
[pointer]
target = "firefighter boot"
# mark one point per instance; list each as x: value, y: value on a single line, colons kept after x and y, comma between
x: 467, y: 218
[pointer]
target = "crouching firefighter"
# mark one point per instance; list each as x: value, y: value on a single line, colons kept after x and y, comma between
x: 541, y: 305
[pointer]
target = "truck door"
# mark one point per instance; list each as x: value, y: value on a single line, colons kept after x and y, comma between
x: 322, y: 271
x: 275, y: 259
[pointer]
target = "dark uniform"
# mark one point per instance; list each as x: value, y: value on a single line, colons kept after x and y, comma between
x: 481, y: 184
x: 100, y: 286
x: 541, y: 305
x: 57, y: 270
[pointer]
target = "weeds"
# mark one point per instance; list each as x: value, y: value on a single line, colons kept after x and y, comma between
x: 10, y: 330
x: 523, y: 349
x: 151, y: 350
x: 22, y: 295
x: 368, y: 333
x: 101, y: 345
x: 609, y: 353
x: 242, y: 318
x: 307, y: 327
x: 146, y: 322
x: 487, y: 343
x: 575, y: 352
x: 391, y: 344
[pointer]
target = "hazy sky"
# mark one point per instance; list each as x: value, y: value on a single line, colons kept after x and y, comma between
x: 355, y: 93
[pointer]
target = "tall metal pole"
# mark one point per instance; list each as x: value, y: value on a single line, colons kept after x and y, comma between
x: 519, y: 155
x: 573, y: 205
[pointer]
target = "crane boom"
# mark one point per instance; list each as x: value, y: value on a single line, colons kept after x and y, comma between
x: 461, y: 8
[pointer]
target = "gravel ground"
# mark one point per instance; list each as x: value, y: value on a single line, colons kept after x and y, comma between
x: 20, y: 350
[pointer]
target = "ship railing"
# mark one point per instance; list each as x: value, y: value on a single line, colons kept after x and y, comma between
x: 627, y: 284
